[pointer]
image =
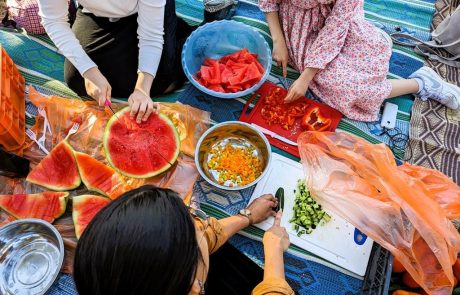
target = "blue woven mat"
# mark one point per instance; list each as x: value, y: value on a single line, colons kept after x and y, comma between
x: 41, y: 64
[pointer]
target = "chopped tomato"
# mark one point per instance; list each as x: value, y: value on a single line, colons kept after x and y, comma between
x: 315, y: 121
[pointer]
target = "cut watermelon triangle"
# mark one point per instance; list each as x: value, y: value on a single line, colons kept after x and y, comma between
x: 57, y: 171
x: 47, y: 205
x: 99, y: 177
x: 85, y: 207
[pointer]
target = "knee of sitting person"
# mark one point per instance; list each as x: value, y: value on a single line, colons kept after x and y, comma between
x: 74, y: 80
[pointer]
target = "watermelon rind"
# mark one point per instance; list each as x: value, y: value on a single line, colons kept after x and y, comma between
x: 76, y: 214
x: 113, y: 119
x: 62, y: 205
x: 89, y: 185
x: 76, y: 183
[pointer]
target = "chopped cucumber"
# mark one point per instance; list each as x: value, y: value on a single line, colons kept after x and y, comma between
x: 308, y: 214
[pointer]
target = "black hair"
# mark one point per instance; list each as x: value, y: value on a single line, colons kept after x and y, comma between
x: 144, y: 242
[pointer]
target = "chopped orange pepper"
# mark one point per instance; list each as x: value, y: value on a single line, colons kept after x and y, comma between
x: 239, y: 165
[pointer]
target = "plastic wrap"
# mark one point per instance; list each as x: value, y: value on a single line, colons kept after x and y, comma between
x: 442, y: 188
x: 62, y: 113
x: 361, y: 182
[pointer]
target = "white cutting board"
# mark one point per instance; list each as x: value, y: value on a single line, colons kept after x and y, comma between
x: 333, y: 241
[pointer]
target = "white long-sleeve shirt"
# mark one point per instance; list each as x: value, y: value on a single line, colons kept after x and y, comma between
x: 54, y: 14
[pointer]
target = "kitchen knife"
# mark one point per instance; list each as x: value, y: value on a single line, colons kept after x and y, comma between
x: 109, y: 104
x: 274, y: 135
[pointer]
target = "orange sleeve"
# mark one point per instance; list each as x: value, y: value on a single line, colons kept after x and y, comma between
x: 273, y: 286
x: 214, y: 234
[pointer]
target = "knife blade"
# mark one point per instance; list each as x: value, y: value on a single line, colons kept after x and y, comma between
x: 109, y: 104
x: 274, y: 135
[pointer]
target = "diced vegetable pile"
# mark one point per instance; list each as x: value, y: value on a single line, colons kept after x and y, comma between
x: 232, y: 73
x: 307, y: 212
x: 235, y: 165
x: 275, y: 111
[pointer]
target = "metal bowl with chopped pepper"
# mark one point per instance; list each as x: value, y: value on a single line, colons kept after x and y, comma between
x: 232, y: 155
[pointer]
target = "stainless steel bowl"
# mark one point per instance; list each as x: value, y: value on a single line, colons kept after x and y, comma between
x: 31, y: 256
x: 236, y: 134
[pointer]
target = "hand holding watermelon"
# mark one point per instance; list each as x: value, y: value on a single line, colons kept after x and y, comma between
x: 141, y: 105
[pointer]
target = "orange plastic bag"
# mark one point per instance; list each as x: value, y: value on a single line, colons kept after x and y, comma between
x: 62, y: 113
x: 361, y: 182
x: 443, y: 189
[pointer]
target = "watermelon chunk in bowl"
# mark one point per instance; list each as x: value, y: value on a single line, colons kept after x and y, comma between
x: 222, y: 38
x: 232, y: 73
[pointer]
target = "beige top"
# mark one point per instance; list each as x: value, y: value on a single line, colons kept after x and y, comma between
x: 215, y: 236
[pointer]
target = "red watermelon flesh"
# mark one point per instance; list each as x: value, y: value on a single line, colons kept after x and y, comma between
x: 141, y: 150
x: 85, y: 207
x: 47, y: 205
x: 57, y: 171
x: 99, y: 177
x: 232, y: 73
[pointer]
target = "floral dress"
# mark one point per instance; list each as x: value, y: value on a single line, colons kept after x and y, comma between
x: 352, y: 55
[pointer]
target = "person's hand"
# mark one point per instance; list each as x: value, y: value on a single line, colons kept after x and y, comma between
x: 262, y: 208
x: 281, y: 55
x: 297, y: 90
x: 141, y: 105
x: 276, y: 237
x: 97, y: 86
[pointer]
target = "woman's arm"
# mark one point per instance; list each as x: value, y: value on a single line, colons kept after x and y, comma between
x: 275, y: 26
x: 150, y: 33
x: 139, y: 101
x: 280, y: 51
x: 261, y: 209
x: 219, y: 231
x: 54, y: 15
x: 276, y: 241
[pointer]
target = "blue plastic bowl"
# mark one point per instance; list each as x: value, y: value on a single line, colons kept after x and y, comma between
x: 219, y: 38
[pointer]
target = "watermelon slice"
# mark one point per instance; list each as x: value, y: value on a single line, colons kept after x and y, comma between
x: 141, y: 150
x: 47, y: 205
x: 85, y: 207
x: 57, y: 171
x: 99, y: 177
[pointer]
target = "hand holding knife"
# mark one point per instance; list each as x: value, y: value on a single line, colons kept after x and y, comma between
x: 109, y: 104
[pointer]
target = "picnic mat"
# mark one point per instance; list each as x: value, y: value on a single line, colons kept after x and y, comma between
x: 42, y: 65
x: 434, y: 129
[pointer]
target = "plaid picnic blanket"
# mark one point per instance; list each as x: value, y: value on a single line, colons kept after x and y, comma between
x: 42, y: 65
